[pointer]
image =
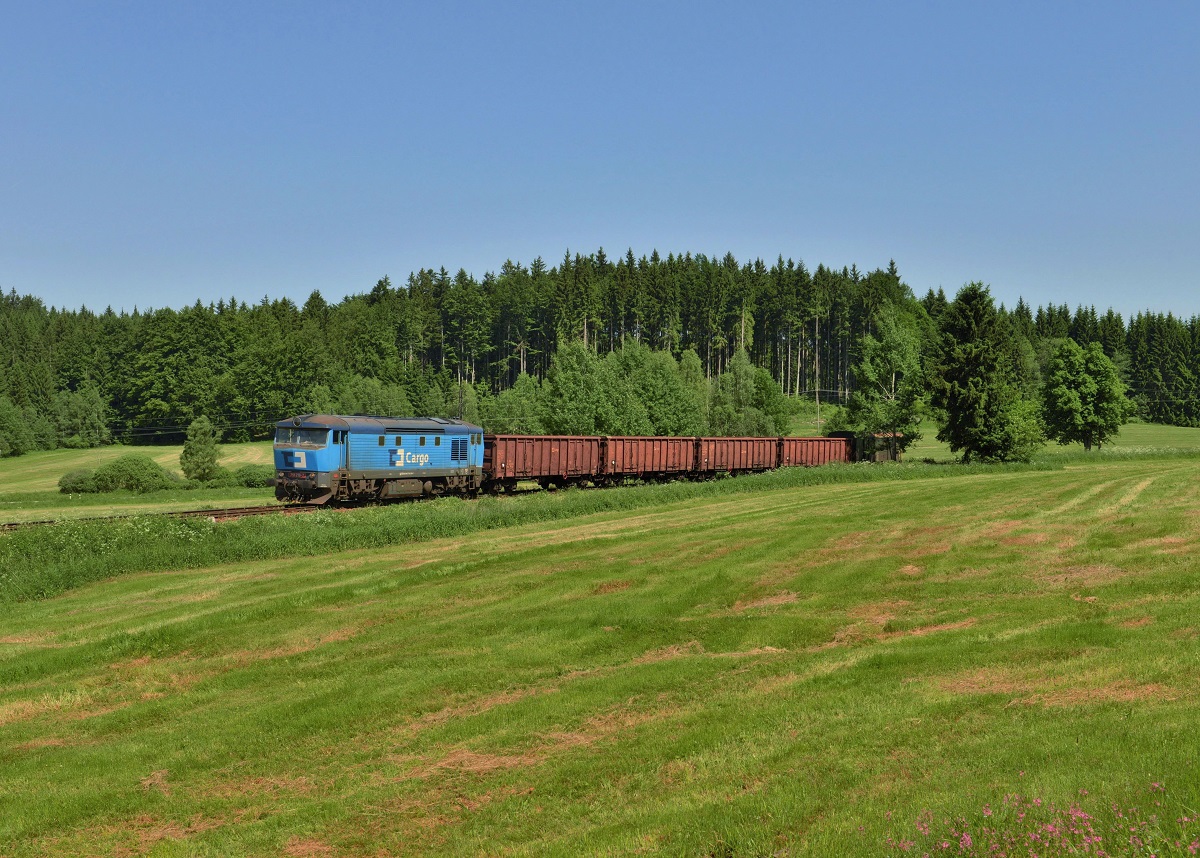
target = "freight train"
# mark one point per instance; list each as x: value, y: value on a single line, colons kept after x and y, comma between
x: 321, y: 458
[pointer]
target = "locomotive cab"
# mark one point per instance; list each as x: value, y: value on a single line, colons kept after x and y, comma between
x: 309, y: 454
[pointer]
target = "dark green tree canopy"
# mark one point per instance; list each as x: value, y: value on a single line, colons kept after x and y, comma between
x: 442, y: 342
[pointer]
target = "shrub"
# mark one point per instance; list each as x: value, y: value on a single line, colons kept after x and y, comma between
x: 79, y: 481
x: 255, y: 476
x: 134, y: 472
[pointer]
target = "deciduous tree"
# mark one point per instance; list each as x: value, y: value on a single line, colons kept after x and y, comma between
x: 1084, y: 398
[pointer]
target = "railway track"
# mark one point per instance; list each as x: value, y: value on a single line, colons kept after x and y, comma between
x: 227, y: 514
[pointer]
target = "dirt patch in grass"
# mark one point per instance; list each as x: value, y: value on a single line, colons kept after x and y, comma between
x: 463, y: 760
x: 997, y: 529
x: 269, y: 787
x: 1035, y: 690
x: 596, y: 728
x: 878, y: 613
x: 158, y: 781
x: 967, y: 573
x: 611, y: 587
x: 785, y: 597
x: 29, y: 639
x: 1092, y: 575
x: 920, y: 631
x: 673, y: 651
x: 24, y: 710
x: 37, y: 744
x: 920, y: 541
x: 244, y: 657
x: 907, y: 543
x: 137, y: 835
x: 911, y: 570
x: 472, y: 708
x: 1025, y: 540
x: 762, y: 650
x: 1164, y: 545
x: 1121, y: 691
x: 987, y: 681
x: 150, y: 831
x: 84, y: 714
x: 1137, y: 623
x: 141, y: 661
x: 307, y: 847
x: 197, y: 597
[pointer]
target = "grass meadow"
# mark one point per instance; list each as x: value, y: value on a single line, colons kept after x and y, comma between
x: 29, y: 484
x: 872, y: 660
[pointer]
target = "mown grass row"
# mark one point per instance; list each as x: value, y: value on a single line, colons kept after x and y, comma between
x: 43, y: 561
x: 870, y: 669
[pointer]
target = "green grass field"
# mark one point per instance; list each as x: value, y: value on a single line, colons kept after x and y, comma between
x: 29, y: 484
x: 1005, y: 658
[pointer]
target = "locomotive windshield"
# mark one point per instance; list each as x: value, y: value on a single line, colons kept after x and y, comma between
x: 291, y: 437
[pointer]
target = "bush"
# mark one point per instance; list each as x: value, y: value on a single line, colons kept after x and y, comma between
x: 79, y: 481
x: 134, y: 472
x: 255, y: 476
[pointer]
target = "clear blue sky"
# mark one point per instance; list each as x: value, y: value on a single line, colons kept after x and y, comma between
x: 155, y: 153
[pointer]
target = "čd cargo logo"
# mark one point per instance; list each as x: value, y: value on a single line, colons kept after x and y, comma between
x: 401, y: 458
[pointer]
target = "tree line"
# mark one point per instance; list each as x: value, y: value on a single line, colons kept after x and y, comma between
x: 686, y: 343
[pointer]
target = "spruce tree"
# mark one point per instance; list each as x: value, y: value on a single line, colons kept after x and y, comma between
x: 973, y: 383
x: 198, y: 461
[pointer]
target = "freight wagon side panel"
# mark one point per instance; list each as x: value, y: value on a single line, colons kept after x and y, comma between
x: 633, y: 456
x: 532, y: 457
x: 737, y: 454
x: 813, y: 451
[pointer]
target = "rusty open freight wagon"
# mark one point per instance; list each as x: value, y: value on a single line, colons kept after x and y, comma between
x: 552, y: 461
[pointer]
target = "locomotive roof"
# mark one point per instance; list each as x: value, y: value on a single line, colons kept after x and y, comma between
x: 373, y: 424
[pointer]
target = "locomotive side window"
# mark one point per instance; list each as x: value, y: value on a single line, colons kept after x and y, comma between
x: 437, y: 441
x: 382, y: 438
x: 422, y: 440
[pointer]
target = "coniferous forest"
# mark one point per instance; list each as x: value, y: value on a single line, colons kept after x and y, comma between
x: 686, y: 344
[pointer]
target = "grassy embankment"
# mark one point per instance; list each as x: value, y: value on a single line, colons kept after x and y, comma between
x: 833, y: 669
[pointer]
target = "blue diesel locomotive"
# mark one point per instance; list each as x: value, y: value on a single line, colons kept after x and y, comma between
x: 321, y: 458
